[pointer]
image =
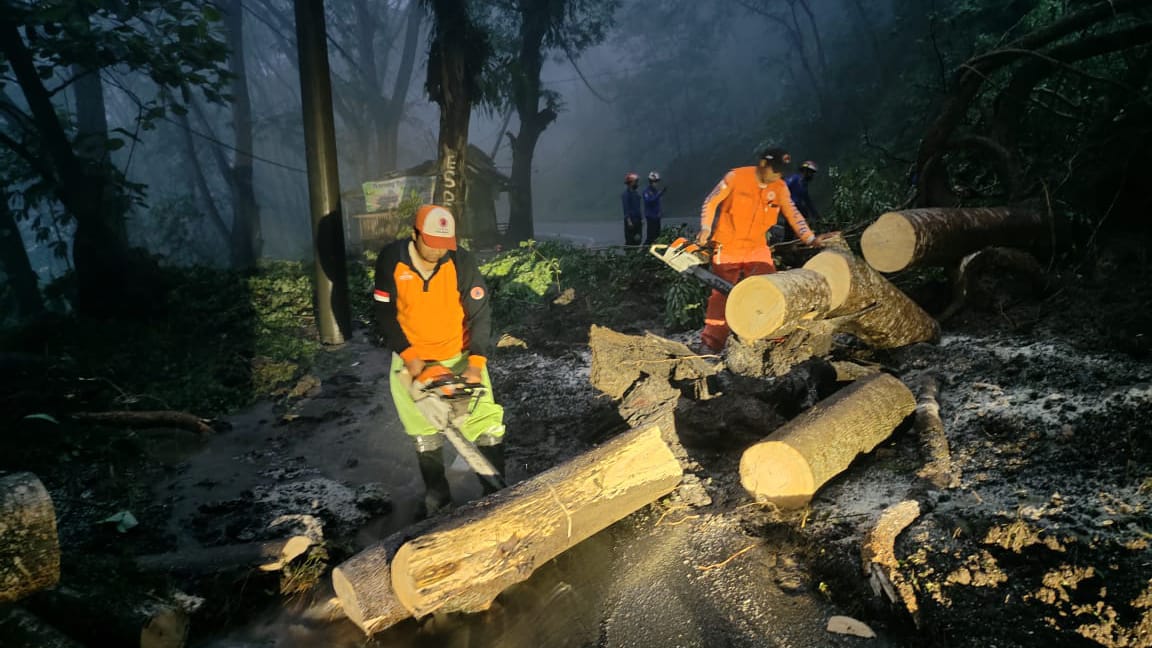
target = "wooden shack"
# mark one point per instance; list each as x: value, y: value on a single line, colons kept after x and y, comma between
x: 381, y: 210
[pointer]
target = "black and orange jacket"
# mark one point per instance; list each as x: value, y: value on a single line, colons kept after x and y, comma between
x: 437, y: 318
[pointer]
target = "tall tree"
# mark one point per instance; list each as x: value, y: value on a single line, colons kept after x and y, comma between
x: 531, y: 30
x: 15, y: 264
x: 38, y: 39
x: 247, y: 241
x: 457, y: 59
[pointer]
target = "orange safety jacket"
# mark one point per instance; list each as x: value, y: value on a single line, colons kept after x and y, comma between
x: 747, y: 210
x: 437, y: 318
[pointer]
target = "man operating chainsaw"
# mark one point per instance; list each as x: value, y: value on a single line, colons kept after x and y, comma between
x: 433, y: 313
x: 749, y: 200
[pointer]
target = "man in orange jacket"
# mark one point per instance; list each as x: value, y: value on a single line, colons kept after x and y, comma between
x: 749, y: 200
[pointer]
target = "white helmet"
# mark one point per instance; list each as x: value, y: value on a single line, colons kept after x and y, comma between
x: 654, y: 177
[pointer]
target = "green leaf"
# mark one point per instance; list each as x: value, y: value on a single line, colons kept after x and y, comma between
x: 41, y: 417
x: 124, y: 520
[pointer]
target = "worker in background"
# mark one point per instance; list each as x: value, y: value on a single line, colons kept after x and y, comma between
x: 432, y: 311
x: 735, y: 220
x: 653, y: 210
x: 633, y: 216
x: 798, y: 185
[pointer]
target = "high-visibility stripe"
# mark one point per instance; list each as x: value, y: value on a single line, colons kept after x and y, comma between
x: 715, y: 322
x: 381, y: 296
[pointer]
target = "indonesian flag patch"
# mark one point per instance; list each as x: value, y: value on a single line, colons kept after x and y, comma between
x: 381, y: 296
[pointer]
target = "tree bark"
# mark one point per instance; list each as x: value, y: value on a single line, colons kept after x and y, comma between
x: 888, y: 318
x: 16, y: 265
x: 619, y: 361
x: 151, y: 419
x: 793, y: 463
x: 29, y: 547
x: 247, y: 240
x: 935, y: 236
x: 482, y: 550
x: 937, y: 469
x: 878, y: 555
x: 773, y: 305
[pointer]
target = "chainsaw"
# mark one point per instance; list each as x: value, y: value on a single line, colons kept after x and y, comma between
x: 687, y: 257
x: 446, y: 401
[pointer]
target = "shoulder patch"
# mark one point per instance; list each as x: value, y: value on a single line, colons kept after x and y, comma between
x: 477, y: 293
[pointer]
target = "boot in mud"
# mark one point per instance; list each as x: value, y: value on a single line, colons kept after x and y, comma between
x: 437, y: 494
x: 495, y: 455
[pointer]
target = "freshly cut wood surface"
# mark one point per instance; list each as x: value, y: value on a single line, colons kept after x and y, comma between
x: 918, y: 237
x: 793, y: 463
x: 772, y: 305
x: 29, y: 546
x: 481, y: 550
x: 885, y: 318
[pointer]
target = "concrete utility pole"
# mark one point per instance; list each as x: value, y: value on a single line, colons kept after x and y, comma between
x: 332, y: 312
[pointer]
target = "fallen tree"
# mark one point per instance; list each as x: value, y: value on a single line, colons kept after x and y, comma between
x: 773, y: 305
x: 941, y: 236
x: 29, y: 546
x: 870, y: 307
x: 793, y: 463
x: 620, y: 360
x: 481, y: 550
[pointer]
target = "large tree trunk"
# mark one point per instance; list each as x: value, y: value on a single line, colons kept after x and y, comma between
x: 526, y: 92
x: 920, y: 237
x: 15, y: 264
x: 247, y: 241
x: 888, y: 318
x: 620, y: 360
x: 481, y: 551
x: 29, y: 548
x: 271, y: 555
x: 793, y: 463
x: 773, y: 305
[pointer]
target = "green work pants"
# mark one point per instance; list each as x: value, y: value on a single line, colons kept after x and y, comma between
x: 486, y: 417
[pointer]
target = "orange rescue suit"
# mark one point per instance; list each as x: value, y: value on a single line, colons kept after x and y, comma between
x: 748, y: 208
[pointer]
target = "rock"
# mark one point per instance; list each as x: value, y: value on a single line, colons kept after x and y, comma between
x: 849, y: 626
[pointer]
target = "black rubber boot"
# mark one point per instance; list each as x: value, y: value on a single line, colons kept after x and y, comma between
x: 495, y: 456
x: 437, y: 494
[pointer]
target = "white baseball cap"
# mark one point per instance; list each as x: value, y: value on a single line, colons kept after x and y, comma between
x: 436, y: 226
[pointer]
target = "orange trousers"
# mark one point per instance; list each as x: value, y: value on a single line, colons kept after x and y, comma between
x: 731, y: 267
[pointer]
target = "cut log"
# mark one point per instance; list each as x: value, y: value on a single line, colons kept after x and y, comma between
x: 144, y: 420
x: 619, y: 360
x: 887, y: 317
x: 993, y: 280
x: 29, y: 546
x: 878, y: 555
x: 790, y: 465
x: 363, y: 583
x: 937, y: 469
x: 265, y: 556
x: 21, y: 629
x: 934, y: 236
x: 482, y: 550
x: 106, y: 616
x: 773, y: 305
